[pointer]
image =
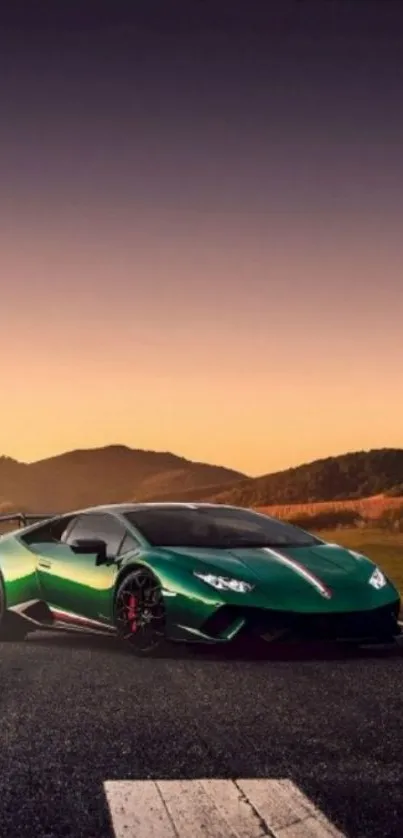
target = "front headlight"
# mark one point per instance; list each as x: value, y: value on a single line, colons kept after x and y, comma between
x: 378, y: 580
x: 224, y: 583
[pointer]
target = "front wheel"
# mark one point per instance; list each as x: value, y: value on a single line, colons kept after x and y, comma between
x: 140, y: 612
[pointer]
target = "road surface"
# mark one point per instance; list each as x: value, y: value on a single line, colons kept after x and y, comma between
x: 79, y: 714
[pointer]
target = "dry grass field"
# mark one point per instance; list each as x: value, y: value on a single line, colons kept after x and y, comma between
x: 370, y: 508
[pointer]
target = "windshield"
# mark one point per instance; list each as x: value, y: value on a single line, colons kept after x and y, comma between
x: 215, y: 528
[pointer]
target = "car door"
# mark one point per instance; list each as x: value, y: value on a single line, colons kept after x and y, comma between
x: 73, y: 584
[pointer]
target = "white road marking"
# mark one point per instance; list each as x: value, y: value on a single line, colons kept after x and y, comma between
x: 138, y: 810
x: 286, y: 810
x: 214, y: 809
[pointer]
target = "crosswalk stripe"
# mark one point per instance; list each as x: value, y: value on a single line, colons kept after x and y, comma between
x: 244, y: 808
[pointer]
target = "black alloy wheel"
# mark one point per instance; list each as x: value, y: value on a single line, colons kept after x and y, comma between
x: 140, y: 612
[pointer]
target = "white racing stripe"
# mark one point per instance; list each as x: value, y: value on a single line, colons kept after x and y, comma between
x: 214, y: 809
x: 301, y: 570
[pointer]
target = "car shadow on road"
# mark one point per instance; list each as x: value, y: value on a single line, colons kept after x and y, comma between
x: 255, y: 651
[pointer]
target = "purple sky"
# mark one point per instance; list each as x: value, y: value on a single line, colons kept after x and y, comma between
x: 201, y: 218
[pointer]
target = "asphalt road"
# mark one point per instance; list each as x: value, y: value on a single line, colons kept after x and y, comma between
x: 77, y: 711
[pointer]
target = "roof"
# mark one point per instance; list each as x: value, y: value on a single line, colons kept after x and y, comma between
x: 133, y: 507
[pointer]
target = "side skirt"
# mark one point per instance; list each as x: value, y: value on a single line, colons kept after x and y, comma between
x: 70, y: 621
x: 42, y: 616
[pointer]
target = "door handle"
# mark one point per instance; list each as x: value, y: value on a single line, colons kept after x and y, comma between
x: 45, y: 565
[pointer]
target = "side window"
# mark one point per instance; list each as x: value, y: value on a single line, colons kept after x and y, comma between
x: 128, y: 543
x: 50, y: 532
x: 97, y: 525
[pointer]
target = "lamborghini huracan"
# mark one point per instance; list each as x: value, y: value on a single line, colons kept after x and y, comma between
x: 155, y: 572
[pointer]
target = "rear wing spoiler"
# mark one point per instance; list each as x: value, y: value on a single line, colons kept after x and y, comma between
x: 24, y: 519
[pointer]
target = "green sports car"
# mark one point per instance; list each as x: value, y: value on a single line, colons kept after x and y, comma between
x: 188, y: 572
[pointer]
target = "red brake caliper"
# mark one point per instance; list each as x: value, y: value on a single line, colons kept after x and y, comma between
x: 131, y: 612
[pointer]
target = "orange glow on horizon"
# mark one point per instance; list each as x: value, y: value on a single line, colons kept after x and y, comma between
x: 226, y: 358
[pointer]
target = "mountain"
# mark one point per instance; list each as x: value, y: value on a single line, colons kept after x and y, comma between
x: 348, y: 476
x: 117, y: 474
x: 104, y: 475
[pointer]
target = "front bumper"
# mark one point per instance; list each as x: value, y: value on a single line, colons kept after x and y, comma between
x: 230, y: 622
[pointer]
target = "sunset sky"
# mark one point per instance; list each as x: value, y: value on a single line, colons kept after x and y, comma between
x: 201, y: 230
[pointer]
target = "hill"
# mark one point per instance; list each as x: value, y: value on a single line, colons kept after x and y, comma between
x: 348, y: 476
x: 104, y: 475
x: 116, y: 473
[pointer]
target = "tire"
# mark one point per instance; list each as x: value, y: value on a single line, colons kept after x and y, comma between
x: 12, y: 628
x: 139, y: 613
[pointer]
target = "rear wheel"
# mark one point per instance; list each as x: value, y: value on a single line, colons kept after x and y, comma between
x: 140, y: 612
x: 12, y: 627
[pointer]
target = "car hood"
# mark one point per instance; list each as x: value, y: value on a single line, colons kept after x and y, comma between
x: 316, y: 573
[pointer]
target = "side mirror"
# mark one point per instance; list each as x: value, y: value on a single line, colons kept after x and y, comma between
x: 86, y: 546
